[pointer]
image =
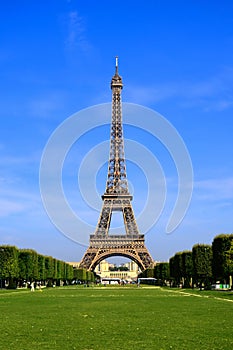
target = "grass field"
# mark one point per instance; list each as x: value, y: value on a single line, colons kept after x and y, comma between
x: 109, y: 318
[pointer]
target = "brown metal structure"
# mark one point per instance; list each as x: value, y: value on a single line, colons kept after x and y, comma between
x: 116, y: 198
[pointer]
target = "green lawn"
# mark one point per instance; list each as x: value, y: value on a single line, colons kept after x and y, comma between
x: 110, y: 318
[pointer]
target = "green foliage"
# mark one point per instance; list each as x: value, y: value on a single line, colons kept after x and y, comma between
x: 28, y: 265
x: 8, y: 262
x: 49, y: 267
x: 176, y: 267
x: 41, y: 267
x: 60, y: 270
x: 69, y: 272
x: 118, y: 268
x: 90, y: 276
x: 162, y: 272
x: 55, y: 263
x: 172, y: 267
x: 187, y: 263
x: 221, y: 258
x: 202, y: 263
x: 80, y: 274
x: 229, y: 259
x: 149, y: 272
x: 181, y: 268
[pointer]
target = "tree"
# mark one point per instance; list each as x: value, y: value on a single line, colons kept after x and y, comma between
x: 9, y: 264
x: 49, y: 269
x: 59, y: 271
x: 28, y: 265
x: 55, y: 262
x: 149, y: 272
x: 202, y: 257
x: 41, y: 268
x: 221, y: 258
x: 187, y: 268
x: 229, y: 263
x: 69, y: 272
x: 80, y: 274
x: 162, y: 272
x: 90, y: 276
x: 176, y: 268
x: 229, y: 259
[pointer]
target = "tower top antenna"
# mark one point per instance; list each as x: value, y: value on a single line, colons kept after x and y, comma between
x: 116, y: 65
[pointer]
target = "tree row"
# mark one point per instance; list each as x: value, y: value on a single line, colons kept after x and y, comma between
x: 19, y: 267
x: 202, y: 266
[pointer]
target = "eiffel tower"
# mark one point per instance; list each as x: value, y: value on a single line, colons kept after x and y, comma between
x: 116, y: 198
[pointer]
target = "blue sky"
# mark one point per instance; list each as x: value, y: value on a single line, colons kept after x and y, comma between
x: 57, y: 58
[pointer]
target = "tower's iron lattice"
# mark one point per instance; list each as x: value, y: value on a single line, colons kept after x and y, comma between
x: 116, y: 198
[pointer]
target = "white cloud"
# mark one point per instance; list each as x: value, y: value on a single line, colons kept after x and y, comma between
x: 17, y: 196
x: 10, y: 207
x: 76, y: 36
x: 215, y: 189
x: 214, y: 93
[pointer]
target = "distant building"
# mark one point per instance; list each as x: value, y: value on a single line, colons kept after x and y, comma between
x: 106, y: 270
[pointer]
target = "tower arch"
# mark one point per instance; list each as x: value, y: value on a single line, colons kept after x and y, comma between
x: 107, y: 255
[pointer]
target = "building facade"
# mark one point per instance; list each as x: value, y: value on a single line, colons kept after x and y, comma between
x: 128, y: 272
